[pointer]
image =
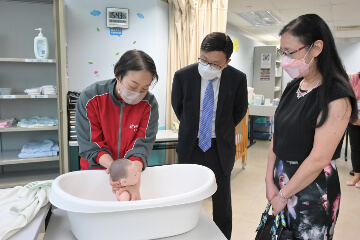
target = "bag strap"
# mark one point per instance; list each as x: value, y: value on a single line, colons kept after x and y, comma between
x: 279, y: 218
x: 264, y: 216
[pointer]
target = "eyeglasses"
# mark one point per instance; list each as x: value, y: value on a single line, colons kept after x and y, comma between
x: 212, y: 65
x: 289, y: 54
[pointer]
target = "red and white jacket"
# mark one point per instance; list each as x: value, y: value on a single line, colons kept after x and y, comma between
x: 107, y: 125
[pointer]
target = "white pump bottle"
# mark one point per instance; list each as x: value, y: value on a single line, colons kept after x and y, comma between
x: 41, y: 46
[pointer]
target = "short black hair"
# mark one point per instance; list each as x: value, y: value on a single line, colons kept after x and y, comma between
x: 135, y: 60
x: 308, y: 29
x: 119, y: 169
x: 218, y: 41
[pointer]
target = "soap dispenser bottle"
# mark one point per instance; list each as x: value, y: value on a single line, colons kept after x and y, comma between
x: 41, y: 47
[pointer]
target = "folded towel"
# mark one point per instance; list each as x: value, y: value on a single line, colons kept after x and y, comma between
x: 33, y: 149
x: 33, y: 91
x: 38, y: 154
x: 33, y: 146
x: 19, y: 205
x: 37, y: 121
x: 5, y: 123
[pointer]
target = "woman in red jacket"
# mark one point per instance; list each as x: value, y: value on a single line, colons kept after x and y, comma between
x: 118, y: 118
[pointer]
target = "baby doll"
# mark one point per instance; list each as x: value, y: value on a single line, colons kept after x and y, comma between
x: 125, y: 172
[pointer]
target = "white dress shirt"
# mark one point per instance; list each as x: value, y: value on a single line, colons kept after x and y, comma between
x: 216, y: 86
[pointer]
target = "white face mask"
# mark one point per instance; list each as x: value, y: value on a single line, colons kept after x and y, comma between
x: 130, y: 97
x: 207, y: 73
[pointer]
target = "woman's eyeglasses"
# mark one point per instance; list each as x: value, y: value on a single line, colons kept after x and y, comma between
x: 289, y: 54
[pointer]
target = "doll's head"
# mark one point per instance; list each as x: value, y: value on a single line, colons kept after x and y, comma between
x: 124, y: 171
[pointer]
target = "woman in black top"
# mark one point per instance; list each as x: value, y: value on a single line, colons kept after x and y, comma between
x: 310, y: 122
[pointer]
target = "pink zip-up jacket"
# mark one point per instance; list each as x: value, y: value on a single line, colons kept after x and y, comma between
x: 355, y: 84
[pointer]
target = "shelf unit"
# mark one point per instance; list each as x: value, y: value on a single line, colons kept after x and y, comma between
x: 27, y: 60
x: 19, y: 71
x: 23, y: 96
x: 272, y: 87
x: 24, y: 129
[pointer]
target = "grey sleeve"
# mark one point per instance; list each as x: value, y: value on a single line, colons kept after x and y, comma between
x: 143, y: 145
x: 87, y: 149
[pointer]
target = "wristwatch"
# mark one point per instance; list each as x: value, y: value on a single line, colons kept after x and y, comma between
x: 281, y: 195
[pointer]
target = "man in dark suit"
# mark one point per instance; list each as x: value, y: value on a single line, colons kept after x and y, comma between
x: 210, y: 99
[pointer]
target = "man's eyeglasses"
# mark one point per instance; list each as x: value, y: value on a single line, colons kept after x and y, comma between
x: 212, y: 65
x: 289, y: 54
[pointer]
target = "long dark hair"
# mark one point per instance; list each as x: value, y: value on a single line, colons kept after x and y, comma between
x: 135, y: 60
x: 310, y: 28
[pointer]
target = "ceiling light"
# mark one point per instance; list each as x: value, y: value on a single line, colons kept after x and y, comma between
x: 347, y: 28
x: 263, y: 18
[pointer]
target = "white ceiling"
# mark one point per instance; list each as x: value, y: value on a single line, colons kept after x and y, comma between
x: 334, y: 12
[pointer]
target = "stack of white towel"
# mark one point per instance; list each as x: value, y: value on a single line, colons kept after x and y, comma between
x: 33, y: 91
x: 33, y: 149
x: 19, y: 205
x: 45, y: 90
x: 49, y: 90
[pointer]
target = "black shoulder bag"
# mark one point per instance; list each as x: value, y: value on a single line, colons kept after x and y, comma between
x: 273, y: 227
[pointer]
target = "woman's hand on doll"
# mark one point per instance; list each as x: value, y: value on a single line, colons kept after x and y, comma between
x: 114, y: 184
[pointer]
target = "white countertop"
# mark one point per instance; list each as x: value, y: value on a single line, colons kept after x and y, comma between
x: 161, y: 136
x: 59, y: 228
x: 262, y: 110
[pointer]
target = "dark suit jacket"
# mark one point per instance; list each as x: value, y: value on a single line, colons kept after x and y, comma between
x: 231, y: 108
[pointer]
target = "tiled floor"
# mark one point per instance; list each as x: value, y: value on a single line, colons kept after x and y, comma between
x: 249, y: 200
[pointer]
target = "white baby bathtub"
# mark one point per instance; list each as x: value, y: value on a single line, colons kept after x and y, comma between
x: 171, y: 202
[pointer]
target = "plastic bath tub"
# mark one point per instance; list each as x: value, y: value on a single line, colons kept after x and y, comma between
x: 171, y: 202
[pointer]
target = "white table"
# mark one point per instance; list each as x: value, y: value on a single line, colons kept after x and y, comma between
x: 262, y: 110
x: 32, y: 230
x: 59, y: 229
x: 166, y: 136
x: 161, y: 136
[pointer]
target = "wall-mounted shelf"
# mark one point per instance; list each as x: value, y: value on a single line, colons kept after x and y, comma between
x: 11, y: 157
x: 24, y: 129
x: 25, y: 96
x: 27, y: 60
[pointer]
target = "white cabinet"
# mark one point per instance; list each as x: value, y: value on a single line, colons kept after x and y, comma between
x: 19, y: 71
x: 268, y: 73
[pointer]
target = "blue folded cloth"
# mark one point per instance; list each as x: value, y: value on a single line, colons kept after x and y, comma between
x: 37, y: 121
x: 32, y: 149
x: 38, y: 154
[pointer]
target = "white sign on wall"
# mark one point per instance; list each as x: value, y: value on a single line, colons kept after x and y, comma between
x: 265, y: 60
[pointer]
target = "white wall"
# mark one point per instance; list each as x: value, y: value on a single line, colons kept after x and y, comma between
x: 350, y: 55
x: 87, y: 44
x: 244, y: 58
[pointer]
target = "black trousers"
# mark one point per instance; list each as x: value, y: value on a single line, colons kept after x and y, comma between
x: 222, y: 211
x: 354, y: 134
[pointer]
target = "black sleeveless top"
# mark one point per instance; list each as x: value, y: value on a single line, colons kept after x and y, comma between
x: 294, y: 123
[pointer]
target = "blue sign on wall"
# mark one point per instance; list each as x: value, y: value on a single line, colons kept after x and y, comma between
x: 116, y: 31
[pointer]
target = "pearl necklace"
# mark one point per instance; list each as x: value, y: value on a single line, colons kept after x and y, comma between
x: 302, y: 94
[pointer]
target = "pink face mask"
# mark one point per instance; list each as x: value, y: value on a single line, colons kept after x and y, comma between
x: 294, y: 67
x: 130, y: 97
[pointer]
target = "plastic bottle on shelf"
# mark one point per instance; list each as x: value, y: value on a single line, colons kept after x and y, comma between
x: 41, y: 46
